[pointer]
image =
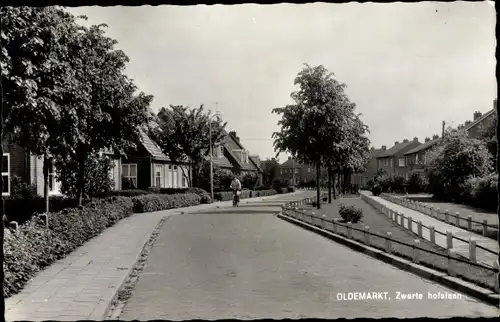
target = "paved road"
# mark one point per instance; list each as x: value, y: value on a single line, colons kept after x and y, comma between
x: 245, y: 263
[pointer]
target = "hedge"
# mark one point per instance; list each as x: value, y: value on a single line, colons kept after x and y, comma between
x: 34, y: 247
x: 245, y: 194
x: 167, y: 191
x: 22, y: 209
x: 157, y: 202
x: 205, y: 197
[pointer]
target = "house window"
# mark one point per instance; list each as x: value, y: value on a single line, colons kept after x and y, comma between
x: 416, y: 158
x: 390, y: 163
x: 129, y: 176
x: 296, y: 171
x: 220, y: 151
x: 184, y: 180
x: 6, y: 174
x: 170, y: 176
x: 309, y: 170
x: 174, y: 177
x: 281, y: 171
x: 401, y: 162
x: 159, y: 182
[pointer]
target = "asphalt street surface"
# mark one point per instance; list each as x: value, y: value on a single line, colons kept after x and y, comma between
x: 246, y: 263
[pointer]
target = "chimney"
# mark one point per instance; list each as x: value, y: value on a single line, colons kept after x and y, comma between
x: 477, y: 115
x: 289, y: 158
x: 427, y: 139
x: 435, y: 137
x: 415, y: 139
x: 384, y: 148
x: 405, y: 141
x: 467, y: 122
x: 396, y: 143
x: 372, y: 148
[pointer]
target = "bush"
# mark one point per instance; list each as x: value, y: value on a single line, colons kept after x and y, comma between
x: 484, y: 192
x: 205, y: 196
x: 122, y: 193
x: 291, y: 189
x: 21, y: 210
x: 376, y: 190
x: 350, y: 213
x: 22, y: 190
x: 34, y: 247
x: 157, y: 202
x: 167, y: 191
x: 416, y: 182
x: 263, y: 187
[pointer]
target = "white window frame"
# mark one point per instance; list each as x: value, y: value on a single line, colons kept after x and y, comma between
x: 184, y: 181
x: 296, y: 171
x: 220, y: 151
x: 128, y: 166
x: 309, y: 170
x: 281, y: 171
x: 416, y: 158
x: 175, y: 175
x: 401, y: 164
x: 159, y: 167
x: 6, y: 174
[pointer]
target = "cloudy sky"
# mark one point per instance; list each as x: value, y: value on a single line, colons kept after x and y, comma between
x: 408, y: 66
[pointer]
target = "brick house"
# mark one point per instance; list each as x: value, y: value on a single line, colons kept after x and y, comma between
x: 232, y: 157
x: 19, y: 162
x: 303, y: 173
x: 415, y: 158
x: 479, y: 121
x: 393, y: 159
x: 371, y: 168
x: 147, y: 166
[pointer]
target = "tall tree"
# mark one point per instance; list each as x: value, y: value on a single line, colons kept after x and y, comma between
x: 271, y: 169
x: 312, y: 128
x: 183, y: 135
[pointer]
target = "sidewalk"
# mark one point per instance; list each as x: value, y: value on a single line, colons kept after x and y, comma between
x: 82, y: 285
x: 460, y: 247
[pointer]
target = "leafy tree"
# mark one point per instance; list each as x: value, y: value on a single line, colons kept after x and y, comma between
x: 488, y: 136
x: 314, y: 128
x: 104, y: 110
x: 271, y: 170
x: 416, y: 182
x: 97, y: 168
x: 183, y: 135
x: 453, y: 161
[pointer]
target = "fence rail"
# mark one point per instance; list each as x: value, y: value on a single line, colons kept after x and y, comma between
x: 394, y: 215
x: 436, y: 213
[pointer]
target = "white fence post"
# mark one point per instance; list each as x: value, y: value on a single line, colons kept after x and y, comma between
x: 388, y: 243
x: 457, y: 219
x: 432, y: 234
x: 438, y: 213
x: 485, y: 227
x: 451, y: 263
x: 447, y: 216
x: 349, y: 230
x: 410, y: 223
x: 449, y: 240
x: 472, y: 250
x: 419, y: 229
x: 469, y: 223
x: 416, y: 254
x: 367, y: 235
x: 14, y: 225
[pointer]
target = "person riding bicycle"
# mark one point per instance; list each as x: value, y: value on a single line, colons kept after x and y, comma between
x: 236, y: 186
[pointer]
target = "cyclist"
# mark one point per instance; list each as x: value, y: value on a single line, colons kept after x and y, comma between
x: 236, y: 187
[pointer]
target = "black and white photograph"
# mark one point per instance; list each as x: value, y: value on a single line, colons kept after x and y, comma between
x: 249, y: 161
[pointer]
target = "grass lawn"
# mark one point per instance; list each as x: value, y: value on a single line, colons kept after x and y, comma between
x: 380, y: 224
x: 464, y: 210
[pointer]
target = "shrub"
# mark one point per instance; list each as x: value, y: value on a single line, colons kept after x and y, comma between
x: 350, y: 213
x: 123, y: 193
x: 416, y: 182
x: 34, y: 247
x: 157, y: 202
x: 21, y: 210
x: 376, y: 190
x: 167, y: 191
x: 205, y: 196
x: 291, y: 189
x: 263, y: 187
x: 484, y: 192
x: 19, y: 189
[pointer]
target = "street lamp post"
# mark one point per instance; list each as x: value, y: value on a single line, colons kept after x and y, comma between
x: 217, y: 114
x: 293, y: 170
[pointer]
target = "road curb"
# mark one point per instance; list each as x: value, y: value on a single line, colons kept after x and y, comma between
x: 110, y: 307
x: 482, y: 294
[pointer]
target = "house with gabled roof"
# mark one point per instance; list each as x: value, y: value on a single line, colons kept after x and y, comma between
x: 479, y: 121
x: 147, y: 166
x: 415, y: 158
x: 232, y: 157
x: 370, y: 168
x: 393, y: 160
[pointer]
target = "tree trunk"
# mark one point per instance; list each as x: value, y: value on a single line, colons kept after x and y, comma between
x: 339, y: 182
x: 333, y: 184
x: 46, y: 167
x: 318, y: 196
x: 329, y: 184
x: 81, y: 177
x: 2, y: 204
x: 498, y: 185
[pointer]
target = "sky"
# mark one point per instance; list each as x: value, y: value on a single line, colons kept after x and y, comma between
x: 407, y: 66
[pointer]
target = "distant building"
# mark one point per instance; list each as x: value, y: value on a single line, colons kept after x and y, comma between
x: 415, y: 158
x: 393, y: 160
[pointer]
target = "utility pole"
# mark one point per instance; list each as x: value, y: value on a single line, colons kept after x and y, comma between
x: 293, y: 170
x: 442, y: 130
